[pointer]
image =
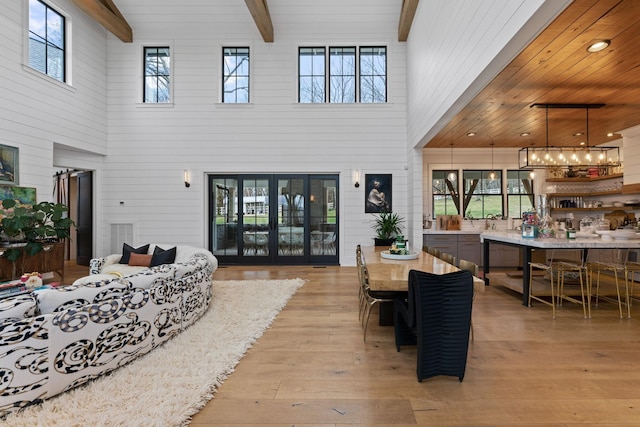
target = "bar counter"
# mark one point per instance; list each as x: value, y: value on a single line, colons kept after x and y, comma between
x: 527, y: 244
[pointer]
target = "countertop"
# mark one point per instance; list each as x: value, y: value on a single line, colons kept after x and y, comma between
x: 515, y: 237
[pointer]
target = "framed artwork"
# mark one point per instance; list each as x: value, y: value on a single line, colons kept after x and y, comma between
x: 9, y: 165
x: 377, y: 193
x: 24, y: 195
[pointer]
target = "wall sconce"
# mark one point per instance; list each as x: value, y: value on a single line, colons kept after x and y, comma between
x: 187, y: 181
x: 356, y: 178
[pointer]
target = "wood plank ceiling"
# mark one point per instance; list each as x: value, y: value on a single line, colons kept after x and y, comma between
x: 556, y: 68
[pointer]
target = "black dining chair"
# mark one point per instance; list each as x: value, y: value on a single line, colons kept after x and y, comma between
x: 436, y: 316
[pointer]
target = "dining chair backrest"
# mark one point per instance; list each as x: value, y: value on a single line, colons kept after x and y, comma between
x: 448, y: 258
x: 469, y: 266
x: 442, y: 307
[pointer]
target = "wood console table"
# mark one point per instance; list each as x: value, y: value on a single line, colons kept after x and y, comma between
x: 51, y: 259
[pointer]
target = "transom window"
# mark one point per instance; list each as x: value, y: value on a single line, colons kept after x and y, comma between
x: 340, y: 72
x: 46, y: 40
x: 520, y: 196
x: 157, y: 75
x: 235, y: 85
x: 483, y: 196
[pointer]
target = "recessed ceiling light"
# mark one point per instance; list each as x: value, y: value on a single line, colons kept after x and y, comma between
x: 598, y: 46
x: 471, y: 134
x: 610, y: 134
x: 577, y: 134
x: 525, y: 134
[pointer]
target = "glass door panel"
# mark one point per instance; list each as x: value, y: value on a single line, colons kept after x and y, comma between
x: 291, y: 217
x: 255, y: 217
x: 224, y: 216
x: 323, y: 215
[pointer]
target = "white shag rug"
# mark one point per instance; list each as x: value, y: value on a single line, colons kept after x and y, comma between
x: 174, y: 381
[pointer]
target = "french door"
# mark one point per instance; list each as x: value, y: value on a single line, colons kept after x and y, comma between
x: 274, y: 219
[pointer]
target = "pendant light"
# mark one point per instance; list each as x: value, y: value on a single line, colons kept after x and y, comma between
x: 452, y: 175
x: 559, y: 158
x: 492, y: 174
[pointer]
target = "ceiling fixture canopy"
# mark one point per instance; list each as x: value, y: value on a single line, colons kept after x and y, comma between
x: 580, y: 157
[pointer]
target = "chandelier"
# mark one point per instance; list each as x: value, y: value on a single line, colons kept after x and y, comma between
x: 578, y: 157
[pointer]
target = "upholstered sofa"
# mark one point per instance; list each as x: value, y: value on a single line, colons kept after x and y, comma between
x: 52, y: 340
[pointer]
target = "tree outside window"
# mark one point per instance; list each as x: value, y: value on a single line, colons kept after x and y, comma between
x: 342, y: 74
x: 520, y: 196
x: 311, y: 79
x: 444, y: 190
x: 483, y: 196
x: 373, y: 74
x: 157, y: 75
x: 235, y: 75
x: 336, y: 83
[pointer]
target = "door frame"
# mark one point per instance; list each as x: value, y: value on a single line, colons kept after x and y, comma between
x: 274, y: 256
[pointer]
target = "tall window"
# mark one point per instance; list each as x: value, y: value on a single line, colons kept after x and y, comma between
x: 235, y: 84
x: 520, y: 197
x: 373, y: 74
x: 46, y: 40
x: 333, y: 77
x: 445, y: 199
x: 311, y: 79
x: 157, y: 75
x: 342, y: 74
x: 482, y: 195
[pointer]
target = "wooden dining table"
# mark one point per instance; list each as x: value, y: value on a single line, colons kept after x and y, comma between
x: 392, y: 275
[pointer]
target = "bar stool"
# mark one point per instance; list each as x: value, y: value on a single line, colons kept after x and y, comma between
x: 628, y: 268
x: 549, y: 269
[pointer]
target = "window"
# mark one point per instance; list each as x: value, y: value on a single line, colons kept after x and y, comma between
x: 311, y: 69
x: 157, y: 75
x: 342, y: 74
x: 520, y: 197
x: 445, y: 200
x: 235, y: 72
x: 483, y: 195
x: 333, y: 79
x: 46, y: 40
x: 373, y: 74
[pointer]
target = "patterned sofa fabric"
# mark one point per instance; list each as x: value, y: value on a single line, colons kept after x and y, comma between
x: 56, y: 339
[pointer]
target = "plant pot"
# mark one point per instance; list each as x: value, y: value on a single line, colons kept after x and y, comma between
x: 383, y: 242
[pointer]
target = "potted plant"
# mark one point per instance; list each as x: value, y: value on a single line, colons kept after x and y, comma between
x: 27, y: 229
x: 387, y: 226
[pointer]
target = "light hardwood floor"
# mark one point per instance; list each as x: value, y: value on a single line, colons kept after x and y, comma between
x: 311, y: 367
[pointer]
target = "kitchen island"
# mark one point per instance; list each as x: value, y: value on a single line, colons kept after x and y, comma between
x: 527, y: 245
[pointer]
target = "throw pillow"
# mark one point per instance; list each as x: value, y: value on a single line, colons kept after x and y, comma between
x: 161, y: 256
x: 140, y: 260
x: 128, y: 250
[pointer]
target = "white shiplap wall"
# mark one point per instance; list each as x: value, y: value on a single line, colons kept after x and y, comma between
x: 139, y: 152
x: 35, y: 111
x: 150, y: 147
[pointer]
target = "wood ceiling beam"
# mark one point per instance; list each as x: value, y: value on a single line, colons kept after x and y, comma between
x: 107, y: 14
x: 407, y: 12
x: 260, y: 13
